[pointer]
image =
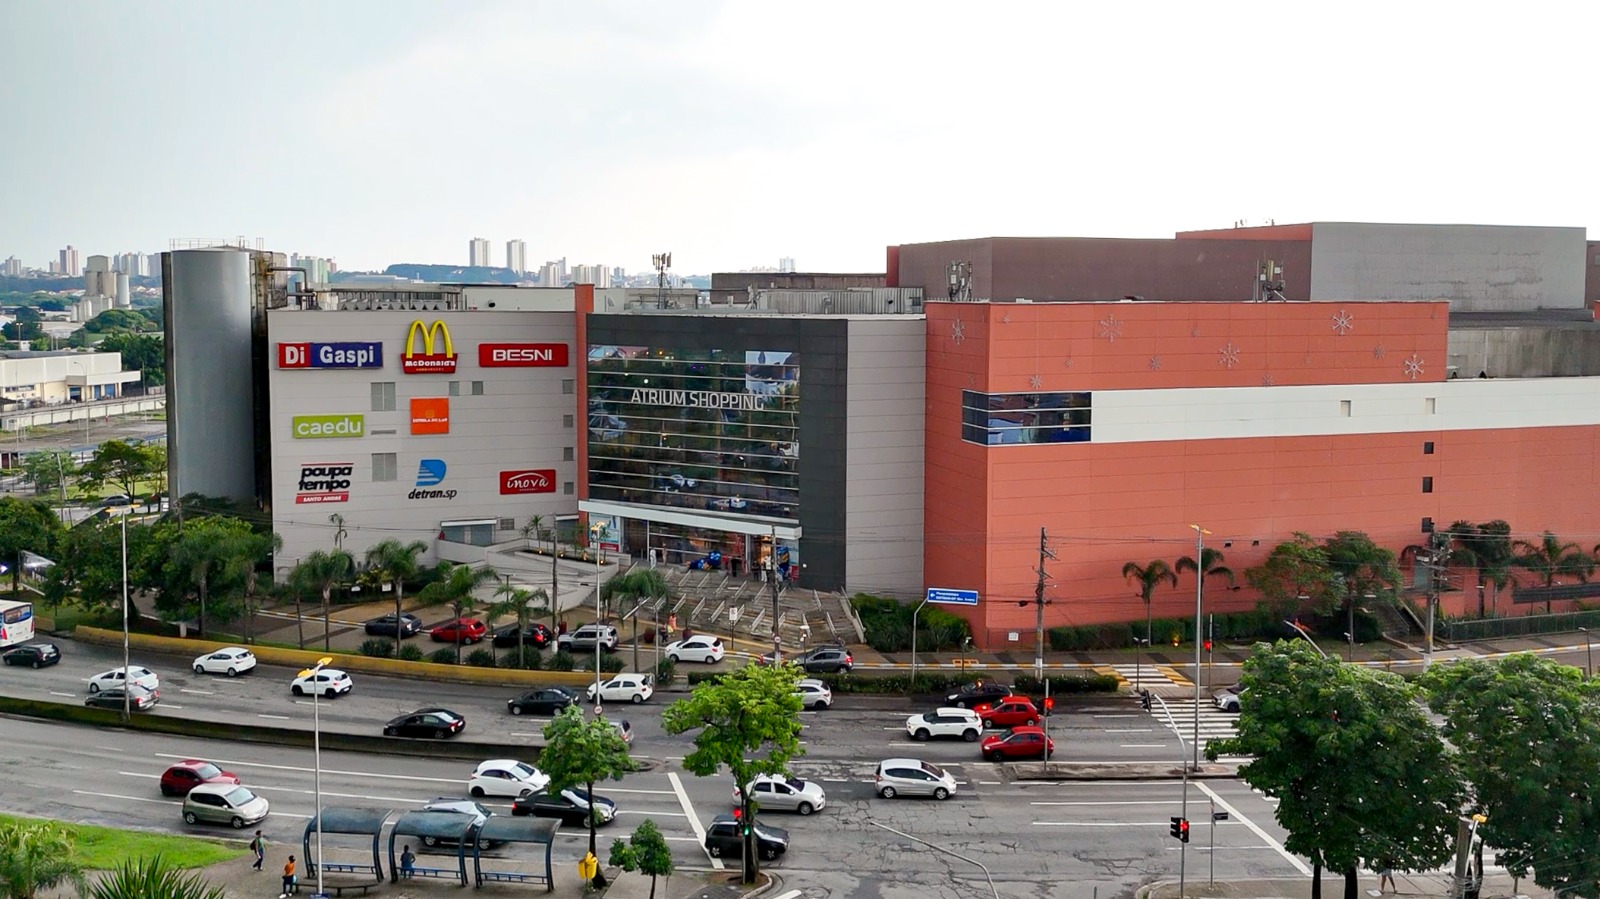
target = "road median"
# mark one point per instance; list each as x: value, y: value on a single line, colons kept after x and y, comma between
x: 1068, y: 771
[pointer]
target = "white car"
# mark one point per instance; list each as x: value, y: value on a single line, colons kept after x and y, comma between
x: 584, y: 638
x: 232, y: 661
x: 625, y: 688
x: 506, y: 777
x: 116, y: 677
x: 814, y: 694
x: 773, y: 793
x: 699, y: 648
x: 963, y: 723
x: 329, y: 682
x: 913, y: 777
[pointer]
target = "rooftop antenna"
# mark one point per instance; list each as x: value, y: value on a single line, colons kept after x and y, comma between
x: 960, y: 276
x: 1269, y: 281
x: 662, y: 262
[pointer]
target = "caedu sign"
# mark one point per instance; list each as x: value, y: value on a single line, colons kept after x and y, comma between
x: 522, y: 355
x: 428, y: 350
x: 330, y: 355
x: 528, y: 480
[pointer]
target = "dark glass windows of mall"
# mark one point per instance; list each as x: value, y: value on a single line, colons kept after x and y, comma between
x: 996, y: 419
x: 716, y: 430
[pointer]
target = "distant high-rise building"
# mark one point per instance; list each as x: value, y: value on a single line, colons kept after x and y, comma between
x: 134, y: 265
x: 55, y: 267
x: 551, y: 275
x: 619, y: 276
x: 69, y: 261
x: 98, y: 278
x: 478, y: 253
x: 786, y: 264
x: 598, y: 275
x: 517, y: 256
x: 13, y: 267
x: 317, y: 267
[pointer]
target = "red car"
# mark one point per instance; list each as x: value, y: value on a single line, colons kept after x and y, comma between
x: 190, y: 773
x: 1018, y: 743
x: 1013, y: 711
x: 459, y: 630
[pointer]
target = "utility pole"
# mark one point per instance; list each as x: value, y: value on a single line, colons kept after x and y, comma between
x: 1038, y: 606
x: 772, y: 579
x: 1199, y: 602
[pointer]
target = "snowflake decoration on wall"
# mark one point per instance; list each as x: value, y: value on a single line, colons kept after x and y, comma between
x: 1228, y: 356
x: 1036, y: 382
x: 1110, y: 328
x: 958, y: 331
x: 1377, y: 351
x: 1414, y: 367
x: 1266, y: 381
x: 1155, y: 363
x: 1005, y: 319
x: 1343, y: 323
x: 1194, y: 332
x: 1068, y: 361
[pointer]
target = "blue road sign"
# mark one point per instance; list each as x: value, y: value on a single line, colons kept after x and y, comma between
x: 953, y: 597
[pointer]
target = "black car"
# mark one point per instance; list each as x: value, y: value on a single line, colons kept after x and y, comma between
x: 436, y: 723
x: 383, y: 626
x: 536, y: 635
x: 34, y: 655
x: 570, y: 806
x: 543, y: 701
x: 983, y: 692
x: 723, y: 838
x: 111, y: 698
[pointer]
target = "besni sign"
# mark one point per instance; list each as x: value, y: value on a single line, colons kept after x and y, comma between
x: 324, y: 482
x: 437, y: 355
x: 528, y: 480
x: 330, y: 355
x: 308, y: 426
x: 430, y: 473
x: 522, y: 355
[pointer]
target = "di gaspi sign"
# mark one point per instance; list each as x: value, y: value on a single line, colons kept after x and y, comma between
x: 428, y: 349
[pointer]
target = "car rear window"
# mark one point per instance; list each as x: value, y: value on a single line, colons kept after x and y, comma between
x: 207, y: 771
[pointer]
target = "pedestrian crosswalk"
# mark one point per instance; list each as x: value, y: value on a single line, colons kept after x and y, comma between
x: 1145, y: 676
x: 1214, y: 724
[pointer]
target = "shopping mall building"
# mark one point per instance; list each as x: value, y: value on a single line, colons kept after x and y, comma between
x: 1108, y: 395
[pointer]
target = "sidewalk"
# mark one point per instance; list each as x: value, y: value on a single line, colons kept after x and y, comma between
x: 1496, y: 885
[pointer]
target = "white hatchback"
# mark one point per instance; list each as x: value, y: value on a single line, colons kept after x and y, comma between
x: 506, y: 777
x: 232, y: 661
x: 699, y: 648
x: 625, y: 688
x: 913, y: 777
x: 117, y: 677
x: 814, y: 694
x: 328, y: 682
x: 963, y: 723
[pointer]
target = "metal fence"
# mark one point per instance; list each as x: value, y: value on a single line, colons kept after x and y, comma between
x: 1521, y: 626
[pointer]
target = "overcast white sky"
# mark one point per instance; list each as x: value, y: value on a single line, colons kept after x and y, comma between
x: 380, y: 131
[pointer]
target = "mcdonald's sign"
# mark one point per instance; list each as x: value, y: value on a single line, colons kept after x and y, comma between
x: 430, y: 361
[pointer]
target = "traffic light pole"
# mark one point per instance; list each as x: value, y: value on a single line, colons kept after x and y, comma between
x: 1179, y: 825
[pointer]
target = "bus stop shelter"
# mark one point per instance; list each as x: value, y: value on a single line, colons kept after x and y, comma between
x: 526, y: 831
x: 365, y: 822
x: 438, y: 827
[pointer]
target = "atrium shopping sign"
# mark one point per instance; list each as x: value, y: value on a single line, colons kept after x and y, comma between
x: 437, y: 354
x: 705, y: 399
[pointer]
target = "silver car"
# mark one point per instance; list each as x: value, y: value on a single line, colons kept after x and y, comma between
x: 779, y: 794
x: 223, y: 804
x: 913, y: 777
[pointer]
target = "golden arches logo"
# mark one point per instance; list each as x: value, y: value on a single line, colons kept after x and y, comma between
x: 430, y: 361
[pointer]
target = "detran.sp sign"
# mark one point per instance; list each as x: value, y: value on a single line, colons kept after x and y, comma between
x: 528, y: 480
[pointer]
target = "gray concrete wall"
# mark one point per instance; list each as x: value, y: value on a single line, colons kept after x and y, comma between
x: 1478, y: 268
x: 884, y: 456
x: 1525, y: 351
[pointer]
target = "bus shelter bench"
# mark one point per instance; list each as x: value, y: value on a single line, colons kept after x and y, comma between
x: 510, y: 876
x: 346, y: 868
x: 339, y: 888
x: 420, y: 871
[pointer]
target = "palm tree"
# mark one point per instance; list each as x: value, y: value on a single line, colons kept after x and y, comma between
x: 638, y: 585
x: 533, y: 531
x: 455, y: 587
x: 339, y: 533
x: 395, y: 561
x: 319, y: 573
x: 153, y: 877
x: 1149, y: 577
x: 1550, y: 558
x: 1210, y: 564
x: 245, y: 559
x: 516, y: 601
x: 36, y: 856
x: 203, y: 556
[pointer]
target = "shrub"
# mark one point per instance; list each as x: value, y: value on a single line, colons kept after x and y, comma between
x: 704, y: 677
x: 531, y: 659
x: 561, y: 661
x: 481, y: 658
x: 1066, y: 683
x: 888, y: 625
x: 445, y: 656
x: 666, y: 673
x: 377, y: 648
x: 410, y: 652
x: 610, y: 664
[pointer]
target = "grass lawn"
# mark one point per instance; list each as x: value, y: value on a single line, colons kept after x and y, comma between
x: 104, y: 848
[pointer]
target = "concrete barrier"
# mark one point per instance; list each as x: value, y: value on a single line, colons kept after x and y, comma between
x: 353, y: 662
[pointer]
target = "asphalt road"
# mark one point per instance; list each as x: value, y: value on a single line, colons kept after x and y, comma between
x: 1038, y: 839
x: 1100, y: 728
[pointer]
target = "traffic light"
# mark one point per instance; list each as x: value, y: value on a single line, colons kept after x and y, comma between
x: 1208, y: 646
x: 738, y: 817
x: 1180, y: 828
x: 1049, y: 703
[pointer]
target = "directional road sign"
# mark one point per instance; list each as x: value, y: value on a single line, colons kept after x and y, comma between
x: 952, y: 597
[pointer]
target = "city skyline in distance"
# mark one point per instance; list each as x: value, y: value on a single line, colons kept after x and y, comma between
x: 628, y: 131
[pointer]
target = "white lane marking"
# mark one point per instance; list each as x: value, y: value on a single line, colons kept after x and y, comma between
x: 836, y: 780
x: 1101, y: 823
x: 111, y: 748
x: 640, y: 792
x: 1144, y: 745
x: 274, y: 717
x: 694, y: 821
x: 137, y: 774
x: 792, y: 894
x: 1130, y: 730
x: 625, y: 811
x: 1111, y: 802
x: 232, y: 763
x: 1301, y: 866
x: 197, y: 692
x: 1097, y: 717
x: 129, y: 798
x: 990, y: 783
x: 338, y: 795
x: 59, y: 693
x: 168, y: 705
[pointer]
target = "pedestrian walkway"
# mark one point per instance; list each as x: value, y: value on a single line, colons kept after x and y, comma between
x: 1143, y: 676
x: 1214, y: 724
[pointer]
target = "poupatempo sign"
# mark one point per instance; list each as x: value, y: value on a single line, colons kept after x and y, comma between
x: 322, y: 426
x: 437, y: 354
x: 324, y: 482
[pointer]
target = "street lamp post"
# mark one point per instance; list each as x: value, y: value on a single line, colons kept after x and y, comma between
x: 912, y: 687
x: 1143, y: 643
x: 127, y: 688
x: 1199, y: 602
x: 316, y: 750
x: 1588, y: 652
x: 594, y: 538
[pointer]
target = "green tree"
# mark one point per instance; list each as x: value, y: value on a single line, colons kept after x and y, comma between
x: 122, y: 465
x: 253, y: 551
x: 646, y: 852
x: 89, y: 562
x: 1148, y: 578
x: 1531, y: 731
x: 118, y: 320
x: 45, y: 470
x: 1359, y: 771
x: 206, y: 556
x: 748, y: 721
x: 394, y: 561
x: 582, y: 751
x: 1210, y: 565
x: 518, y: 601
x: 1295, y: 575
x: 456, y: 587
x: 635, y: 586
x: 144, y: 353
x: 26, y: 525
x: 1492, y: 547
x: 317, y: 574
x: 1549, y: 558
x: 153, y: 877
x: 1361, y: 568
x: 36, y: 856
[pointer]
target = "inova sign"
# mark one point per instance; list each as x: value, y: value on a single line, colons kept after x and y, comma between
x: 306, y: 426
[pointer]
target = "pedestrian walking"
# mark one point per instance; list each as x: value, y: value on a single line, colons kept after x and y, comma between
x: 259, y: 847
x: 408, y: 859
x: 1386, y: 876
x: 288, y: 879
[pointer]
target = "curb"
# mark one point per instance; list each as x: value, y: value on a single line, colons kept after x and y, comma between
x: 1038, y: 772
